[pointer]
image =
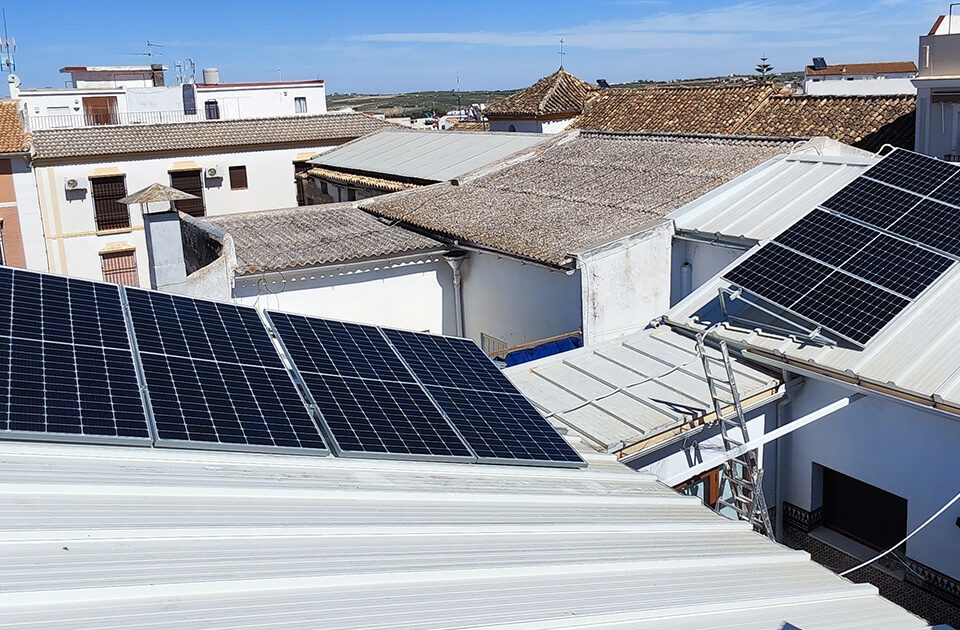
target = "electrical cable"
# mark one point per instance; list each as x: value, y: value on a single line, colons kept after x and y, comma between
x: 909, y: 536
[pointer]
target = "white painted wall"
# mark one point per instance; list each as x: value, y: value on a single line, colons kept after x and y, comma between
x: 28, y: 211
x: 531, y: 126
x: 860, y: 84
x: 625, y: 283
x: 73, y: 243
x: 109, y: 78
x: 706, y: 261
x: 414, y: 293
x: 517, y: 302
x: 257, y: 101
x: 895, y: 446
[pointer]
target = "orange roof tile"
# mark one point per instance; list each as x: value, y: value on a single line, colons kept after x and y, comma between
x: 12, y: 139
x: 559, y: 93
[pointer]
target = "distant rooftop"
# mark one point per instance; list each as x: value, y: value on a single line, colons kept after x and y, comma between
x: 840, y: 69
x: 141, y: 68
x: 241, y: 84
x: 560, y: 94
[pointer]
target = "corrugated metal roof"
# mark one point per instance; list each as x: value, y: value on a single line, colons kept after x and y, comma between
x: 764, y: 201
x: 111, y: 537
x: 619, y: 393
x: 429, y: 155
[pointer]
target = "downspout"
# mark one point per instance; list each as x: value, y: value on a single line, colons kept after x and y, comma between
x: 790, y: 385
x: 455, y: 259
x: 686, y: 279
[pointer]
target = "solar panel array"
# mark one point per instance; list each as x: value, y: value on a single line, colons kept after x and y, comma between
x: 214, y: 376
x: 382, y: 391
x: 90, y: 361
x: 853, y: 264
x: 69, y: 370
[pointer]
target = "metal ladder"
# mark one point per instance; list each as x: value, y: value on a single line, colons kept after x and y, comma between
x: 742, y: 474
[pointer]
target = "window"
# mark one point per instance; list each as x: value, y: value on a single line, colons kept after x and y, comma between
x: 300, y: 104
x: 120, y: 267
x: 323, y: 187
x: 512, y: 128
x: 865, y: 513
x: 212, y: 110
x: 351, y: 195
x: 109, y: 214
x: 238, y: 178
x: 189, y: 182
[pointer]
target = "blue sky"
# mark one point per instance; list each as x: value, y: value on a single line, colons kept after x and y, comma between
x: 376, y: 46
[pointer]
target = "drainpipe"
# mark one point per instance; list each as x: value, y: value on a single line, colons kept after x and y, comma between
x: 455, y: 259
x: 790, y: 385
x: 686, y: 279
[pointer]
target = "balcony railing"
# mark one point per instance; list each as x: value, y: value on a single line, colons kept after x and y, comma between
x: 106, y: 118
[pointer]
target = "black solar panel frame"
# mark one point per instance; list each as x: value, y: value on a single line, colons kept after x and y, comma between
x: 328, y: 433
x: 114, y: 348
x: 221, y: 446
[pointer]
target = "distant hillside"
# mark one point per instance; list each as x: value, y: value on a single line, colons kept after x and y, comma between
x: 416, y: 104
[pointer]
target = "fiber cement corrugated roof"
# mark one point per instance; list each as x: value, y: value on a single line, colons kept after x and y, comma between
x: 764, y: 201
x: 618, y: 393
x: 111, y: 537
x: 427, y: 155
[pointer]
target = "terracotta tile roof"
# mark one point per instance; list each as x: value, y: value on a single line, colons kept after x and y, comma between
x: 470, y: 125
x: 577, y: 192
x: 311, y: 236
x: 192, y: 136
x: 866, y: 122
x: 841, y: 69
x: 12, y: 138
x: 719, y: 110
x: 365, y: 181
x: 560, y: 93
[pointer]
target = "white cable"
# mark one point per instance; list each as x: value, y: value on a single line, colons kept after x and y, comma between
x: 909, y: 536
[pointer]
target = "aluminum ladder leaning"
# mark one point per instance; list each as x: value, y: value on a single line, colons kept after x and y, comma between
x: 741, y: 474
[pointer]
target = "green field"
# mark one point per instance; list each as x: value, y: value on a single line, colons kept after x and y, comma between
x: 416, y: 104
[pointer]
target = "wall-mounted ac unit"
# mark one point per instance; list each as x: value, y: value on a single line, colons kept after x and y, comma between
x: 213, y: 172
x: 74, y: 183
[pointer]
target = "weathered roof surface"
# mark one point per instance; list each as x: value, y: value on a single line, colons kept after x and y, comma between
x: 12, y: 139
x: 213, y: 134
x: 471, y: 125
x: 309, y: 236
x: 866, y: 122
x: 720, y: 110
x: 426, y: 155
x: 839, y: 69
x: 364, y: 181
x: 761, y: 203
x: 618, y: 393
x: 121, y: 537
x: 558, y: 94
x: 583, y: 188
x: 155, y: 192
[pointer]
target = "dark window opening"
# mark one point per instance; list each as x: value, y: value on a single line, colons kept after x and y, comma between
x: 109, y: 214
x: 865, y: 513
x: 300, y: 104
x: 512, y: 128
x: 212, y: 110
x: 120, y: 267
x: 238, y: 178
x: 189, y: 182
x: 351, y: 195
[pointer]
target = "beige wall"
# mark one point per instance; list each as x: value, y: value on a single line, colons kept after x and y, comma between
x: 12, y: 241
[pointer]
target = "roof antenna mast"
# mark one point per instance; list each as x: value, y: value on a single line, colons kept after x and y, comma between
x: 7, y: 47
x: 561, y: 53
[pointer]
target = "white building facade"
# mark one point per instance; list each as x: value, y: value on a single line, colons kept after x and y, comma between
x: 859, y: 78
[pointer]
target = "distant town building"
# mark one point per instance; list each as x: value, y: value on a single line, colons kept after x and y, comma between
x: 548, y: 106
x: 938, y: 90
x: 892, y: 77
x: 137, y: 95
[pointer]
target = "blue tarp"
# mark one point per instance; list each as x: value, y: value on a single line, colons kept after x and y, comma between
x: 546, y: 350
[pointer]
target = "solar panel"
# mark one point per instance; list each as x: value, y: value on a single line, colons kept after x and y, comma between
x: 912, y: 171
x: 828, y: 238
x: 934, y: 224
x: 872, y: 202
x: 370, y: 403
x: 70, y: 373
x: 215, y: 378
x: 496, y: 421
x: 778, y: 274
x: 949, y: 192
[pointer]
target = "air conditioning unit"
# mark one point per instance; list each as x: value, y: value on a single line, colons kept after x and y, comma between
x: 74, y: 183
x: 213, y: 172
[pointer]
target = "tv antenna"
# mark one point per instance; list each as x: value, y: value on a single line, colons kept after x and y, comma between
x: 185, y: 69
x: 459, y: 103
x: 561, y: 53
x: 7, y: 47
x: 150, y: 51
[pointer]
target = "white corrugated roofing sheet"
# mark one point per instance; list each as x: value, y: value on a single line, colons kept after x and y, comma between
x: 430, y: 155
x: 621, y: 392
x: 766, y: 200
x: 122, y: 537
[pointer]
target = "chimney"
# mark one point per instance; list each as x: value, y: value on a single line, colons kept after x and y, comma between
x: 161, y: 224
x: 158, y: 80
x: 211, y: 76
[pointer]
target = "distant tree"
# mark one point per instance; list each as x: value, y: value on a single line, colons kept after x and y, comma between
x: 763, y: 69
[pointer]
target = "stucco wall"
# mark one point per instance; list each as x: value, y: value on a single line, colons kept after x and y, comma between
x: 517, y: 302
x: 260, y: 101
x: 625, y: 284
x: 706, y: 261
x: 410, y: 293
x: 843, y: 86
x: 900, y: 448
x: 72, y: 240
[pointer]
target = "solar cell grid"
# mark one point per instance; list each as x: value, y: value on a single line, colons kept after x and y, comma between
x: 872, y: 202
x: 934, y: 224
x: 898, y: 266
x: 949, y: 192
x: 779, y: 275
x: 828, y: 238
x: 911, y: 171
